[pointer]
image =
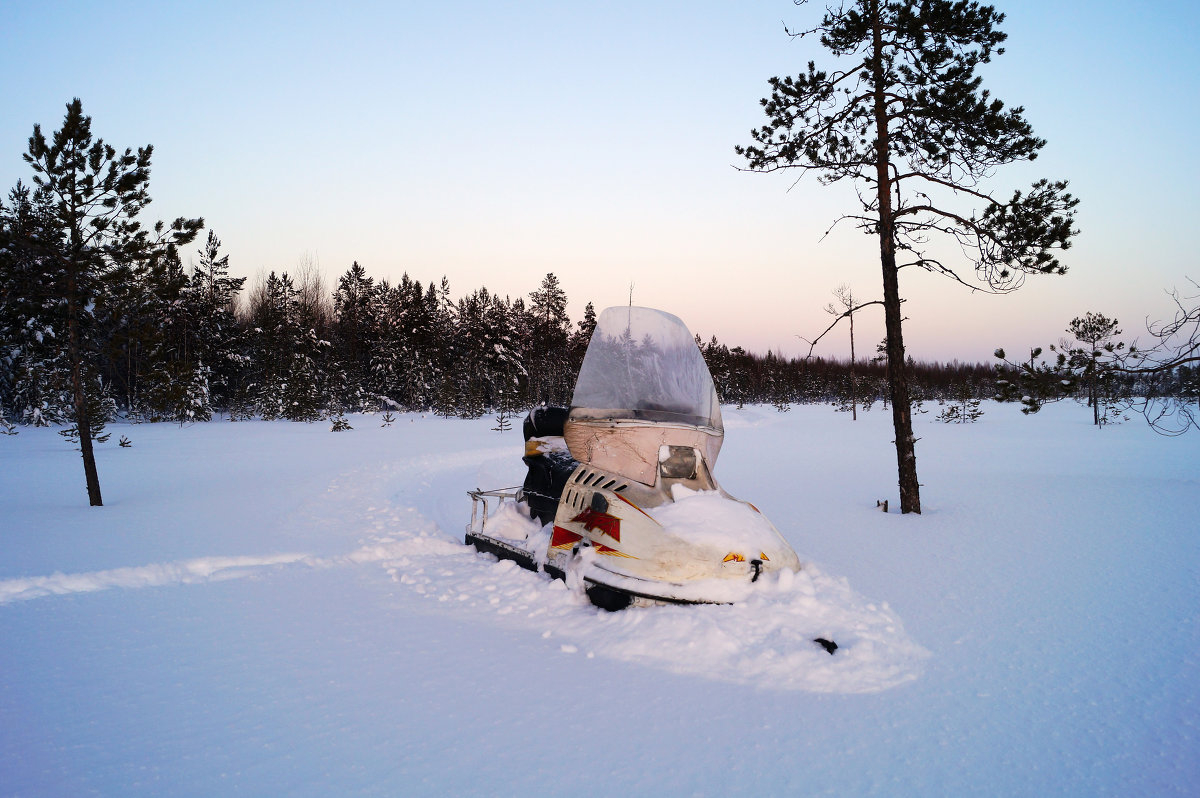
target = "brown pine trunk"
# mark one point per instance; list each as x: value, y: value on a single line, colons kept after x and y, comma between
x: 906, y: 456
x: 853, y: 382
x: 82, y: 422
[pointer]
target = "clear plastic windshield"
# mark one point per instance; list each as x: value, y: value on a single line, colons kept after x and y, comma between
x: 644, y: 364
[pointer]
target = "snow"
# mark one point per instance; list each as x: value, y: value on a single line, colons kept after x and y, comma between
x: 266, y: 608
x: 706, y: 518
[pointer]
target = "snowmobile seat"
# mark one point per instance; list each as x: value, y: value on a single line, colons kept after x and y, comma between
x: 548, y: 461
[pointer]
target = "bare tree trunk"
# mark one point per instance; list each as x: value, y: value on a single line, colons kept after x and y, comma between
x: 82, y: 422
x: 853, y: 380
x: 906, y: 457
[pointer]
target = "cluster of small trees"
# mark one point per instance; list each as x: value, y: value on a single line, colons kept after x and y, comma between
x: 372, y: 345
x: 745, y: 378
x: 1112, y: 377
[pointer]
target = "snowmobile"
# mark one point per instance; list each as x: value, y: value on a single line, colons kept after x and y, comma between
x: 623, y: 481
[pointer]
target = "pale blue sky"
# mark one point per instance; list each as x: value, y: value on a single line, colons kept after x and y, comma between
x: 493, y: 142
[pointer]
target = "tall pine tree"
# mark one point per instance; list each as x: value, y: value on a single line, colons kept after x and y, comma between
x: 903, y: 116
x: 97, y: 195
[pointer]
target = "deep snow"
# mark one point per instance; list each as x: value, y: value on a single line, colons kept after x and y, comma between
x: 270, y: 608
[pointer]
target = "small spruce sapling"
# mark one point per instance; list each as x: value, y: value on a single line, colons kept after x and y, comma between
x: 963, y: 408
x: 337, y: 416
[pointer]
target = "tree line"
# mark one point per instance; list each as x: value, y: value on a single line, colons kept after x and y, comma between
x: 164, y: 342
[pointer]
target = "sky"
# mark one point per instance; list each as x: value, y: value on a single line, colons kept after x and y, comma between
x: 495, y: 142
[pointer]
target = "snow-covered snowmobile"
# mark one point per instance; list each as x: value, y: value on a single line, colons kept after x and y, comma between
x: 623, y: 481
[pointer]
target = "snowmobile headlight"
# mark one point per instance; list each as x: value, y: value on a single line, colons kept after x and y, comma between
x: 679, y: 462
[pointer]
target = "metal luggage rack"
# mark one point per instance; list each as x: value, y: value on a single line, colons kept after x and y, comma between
x: 480, y: 497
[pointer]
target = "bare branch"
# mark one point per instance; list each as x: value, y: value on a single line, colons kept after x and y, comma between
x: 813, y: 343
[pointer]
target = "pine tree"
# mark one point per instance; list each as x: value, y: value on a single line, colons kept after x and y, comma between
x: 161, y: 362
x: 354, y: 331
x: 437, y: 350
x: 97, y: 195
x: 550, y: 374
x: 1096, y: 367
x: 582, y: 337
x: 387, y: 356
x: 904, y: 116
x: 963, y: 408
x: 1095, y: 364
x: 717, y: 358
x: 289, y: 379
x: 469, y: 369
x: 211, y: 297
x: 1033, y: 382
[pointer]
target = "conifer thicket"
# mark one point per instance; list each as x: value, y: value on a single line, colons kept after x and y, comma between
x: 186, y: 344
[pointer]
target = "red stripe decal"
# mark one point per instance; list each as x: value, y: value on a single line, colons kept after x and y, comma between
x: 561, y: 538
x: 608, y: 524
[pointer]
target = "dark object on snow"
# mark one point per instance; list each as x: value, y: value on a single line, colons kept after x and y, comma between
x: 828, y: 645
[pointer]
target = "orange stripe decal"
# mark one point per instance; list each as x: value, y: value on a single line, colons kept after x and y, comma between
x: 634, y: 506
x: 611, y: 552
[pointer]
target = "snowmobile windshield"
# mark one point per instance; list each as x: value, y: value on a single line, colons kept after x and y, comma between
x: 644, y: 364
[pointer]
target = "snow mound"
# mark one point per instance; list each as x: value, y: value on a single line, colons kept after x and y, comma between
x: 710, y: 520
x: 766, y: 640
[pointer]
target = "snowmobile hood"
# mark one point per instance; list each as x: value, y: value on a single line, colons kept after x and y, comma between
x: 643, y: 364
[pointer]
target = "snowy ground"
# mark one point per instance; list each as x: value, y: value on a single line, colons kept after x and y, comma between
x: 269, y: 608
